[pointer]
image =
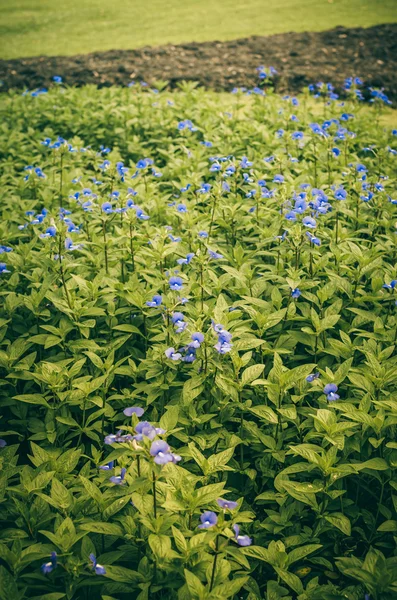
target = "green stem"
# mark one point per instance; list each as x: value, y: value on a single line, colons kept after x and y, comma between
x: 214, y: 563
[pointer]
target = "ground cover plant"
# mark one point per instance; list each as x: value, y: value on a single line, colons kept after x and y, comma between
x: 198, y: 331
x: 35, y: 27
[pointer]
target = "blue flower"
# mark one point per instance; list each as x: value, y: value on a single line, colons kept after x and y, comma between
x: 155, y: 301
x: 300, y: 205
x: 119, y: 479
x: 57, y: 79
x: 297, y: 135
x: 223, y: 345
x: 330, y: 391
x: 173, y: 354
x: 245, y: 163
x: 3, y: 268
x: 51, y: 565
x: 99, y: 569
x: 160, y: 450
x: 391, y: 285
x: 70, y: 246
x: 340, y: 194
x: 204, y: 189
x: 214, y: 255
x: 186, y: 124
x: 143, y: 163
x: 49, y: 232
x: 309, y: 222
x: 291, y: 216
x: 295, y: 293
x: 176, y: 283
x: 202, y: 235
x: 313, y: 239
x: 317, y: 129
x: 190, y: 352
x: 198, y: 338
x: 133, y: 410
x: 227, y: 504
x: 140, y: 214
x: 3, y: 443
x: 208, y: 519
x: 107, y: 467
x: 107, y: 208
x: 312, y: 377
x: 242, y: 540
x: 178, y: 321
x: 187, y: 260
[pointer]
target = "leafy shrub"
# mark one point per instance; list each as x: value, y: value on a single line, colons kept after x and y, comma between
x: 198, y: 330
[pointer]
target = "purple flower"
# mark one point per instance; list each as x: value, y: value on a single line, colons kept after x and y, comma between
x: 119, y: 479
x: 208, y: 519
x: 227, y: 504
x: 176, y: 283
x: 51, y: 565
x: 242, y: 540
x: 330, y: 391
x: 99, y: 569
x: 161, y: 452
x: 133, y: 410
x: 3, y: 443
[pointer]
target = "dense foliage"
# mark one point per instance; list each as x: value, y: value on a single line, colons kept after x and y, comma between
x: 198, y: 332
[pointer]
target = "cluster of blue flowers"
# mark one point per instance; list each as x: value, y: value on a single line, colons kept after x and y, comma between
x: 209, y: 519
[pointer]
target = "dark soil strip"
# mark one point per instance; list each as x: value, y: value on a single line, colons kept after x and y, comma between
x: 300, y: 58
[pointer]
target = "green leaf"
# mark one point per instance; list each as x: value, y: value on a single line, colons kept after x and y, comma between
x: 388, y: 526
x: 251, y: 373
x: 302, y: 552
x: 32, y: 399
x: 257, y: 552
x: 122, y: 574
x: 105, y: 528
x: 290, y: 579
x: 264, y: 412
x: 375, y: 464
x: 340, y: 521
x: 195, y: 587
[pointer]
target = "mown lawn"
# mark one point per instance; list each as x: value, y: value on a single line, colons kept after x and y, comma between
x: 34, y: 27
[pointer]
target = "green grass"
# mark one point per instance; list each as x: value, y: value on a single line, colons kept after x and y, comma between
x: 33, y: 27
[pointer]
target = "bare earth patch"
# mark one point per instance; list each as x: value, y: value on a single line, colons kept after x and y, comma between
x: 300, y: 58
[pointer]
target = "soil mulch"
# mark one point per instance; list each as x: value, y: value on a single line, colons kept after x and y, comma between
x: 300, y: 58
